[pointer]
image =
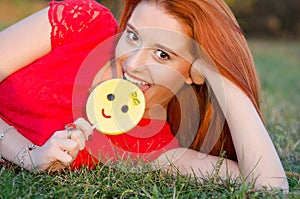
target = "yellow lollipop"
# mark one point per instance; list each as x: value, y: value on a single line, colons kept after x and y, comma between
x: 115, y: 106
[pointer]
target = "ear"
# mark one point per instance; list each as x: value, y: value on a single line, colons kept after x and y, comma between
x: 195, y: 74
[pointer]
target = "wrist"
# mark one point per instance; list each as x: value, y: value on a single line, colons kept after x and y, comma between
x: 2, y: 135
x: 25, y: 157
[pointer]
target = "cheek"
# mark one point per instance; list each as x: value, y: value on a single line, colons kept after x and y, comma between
x: 119, y: 49
x: 167, y: 77
x: 184, y: 67
x: 123, y: 48
x: 120, y: 54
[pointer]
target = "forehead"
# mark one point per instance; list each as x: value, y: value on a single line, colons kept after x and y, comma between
x: 156, y: 27
x: 150, y: 15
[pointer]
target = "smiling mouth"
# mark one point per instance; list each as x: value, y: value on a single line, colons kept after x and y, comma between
x: 141, y: 84
x: 104, y: 115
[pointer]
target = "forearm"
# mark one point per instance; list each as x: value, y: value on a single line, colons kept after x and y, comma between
x: 12, y: 146
x: 254, y: 148
x: 192, y: 162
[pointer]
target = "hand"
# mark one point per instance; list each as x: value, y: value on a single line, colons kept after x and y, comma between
x: 202, y: 68
x: 195, y: 72
x: 60, y: 151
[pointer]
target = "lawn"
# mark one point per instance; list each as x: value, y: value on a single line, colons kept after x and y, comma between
x: 278, y: 64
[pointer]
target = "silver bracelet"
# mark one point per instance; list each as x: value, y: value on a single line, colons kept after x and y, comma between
x: 1, y: 159
x: 1, y: 138
x: 24, y: 152
x: 5, y: 131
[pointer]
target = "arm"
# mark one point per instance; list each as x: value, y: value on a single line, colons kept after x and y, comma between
x: 58, y: 148
x: 257, y: 157
x: 21, y: 44
x: 24, y: 42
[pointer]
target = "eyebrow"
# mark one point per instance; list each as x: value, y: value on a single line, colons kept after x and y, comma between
x: 132, y: 27
x: 166, y: 49
x: 156, y: 45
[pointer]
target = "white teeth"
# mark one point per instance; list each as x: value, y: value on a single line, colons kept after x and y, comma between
x: 135, y: 81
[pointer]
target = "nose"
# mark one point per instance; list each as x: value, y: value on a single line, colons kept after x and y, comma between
x: 137, y: 59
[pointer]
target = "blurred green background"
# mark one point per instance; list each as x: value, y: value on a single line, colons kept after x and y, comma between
x: 258, y: 18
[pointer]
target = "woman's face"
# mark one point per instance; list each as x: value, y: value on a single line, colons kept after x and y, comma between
x: 154, y: 54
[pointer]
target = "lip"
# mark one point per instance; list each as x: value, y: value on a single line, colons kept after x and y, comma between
x: 141, y: 86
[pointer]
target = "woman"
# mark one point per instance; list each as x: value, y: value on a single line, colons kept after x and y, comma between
x: 206, y: 35
x: 212, y: 26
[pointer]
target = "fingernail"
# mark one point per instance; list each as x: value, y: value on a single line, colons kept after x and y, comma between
x: 90, y: 138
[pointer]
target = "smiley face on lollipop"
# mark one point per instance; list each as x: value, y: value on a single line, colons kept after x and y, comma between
x: 115, y: 106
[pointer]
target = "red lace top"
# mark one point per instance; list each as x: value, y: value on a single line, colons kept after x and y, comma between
x: 145, y: 142
x: 37, y: 99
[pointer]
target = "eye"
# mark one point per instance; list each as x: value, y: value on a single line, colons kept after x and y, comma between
x: 162, y: 55
x: 124, y: 109
x: 110, y: 97
x: 132, y: 36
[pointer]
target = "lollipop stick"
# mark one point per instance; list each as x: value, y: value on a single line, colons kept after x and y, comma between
x: 94, y: 126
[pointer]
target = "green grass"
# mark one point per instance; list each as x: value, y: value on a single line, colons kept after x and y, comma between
x: 278, y: 65
x: 109, y: 182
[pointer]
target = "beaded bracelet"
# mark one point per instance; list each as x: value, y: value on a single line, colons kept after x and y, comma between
x: 2, y: 136
x: 25, y: 150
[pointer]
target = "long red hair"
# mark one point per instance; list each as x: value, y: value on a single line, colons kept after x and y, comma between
x: 212, y: 25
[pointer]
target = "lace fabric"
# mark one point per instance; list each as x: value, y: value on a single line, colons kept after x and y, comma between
x: 147, y: 141
x: 70, y: 17
x: 37, y: 99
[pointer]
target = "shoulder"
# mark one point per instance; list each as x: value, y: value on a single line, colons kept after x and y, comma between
x: 78, y: 8
x: 78, y: 11
x: 78, y: 5
x: 69, y: 18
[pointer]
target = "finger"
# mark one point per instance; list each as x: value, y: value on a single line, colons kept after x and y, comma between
x: 85, y: 127
x: 63, y: 157
x: 79, y: 137
x: 59, y: 150
x: 195, y: 73
x: 69, y: 147
x: 60, y: 134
